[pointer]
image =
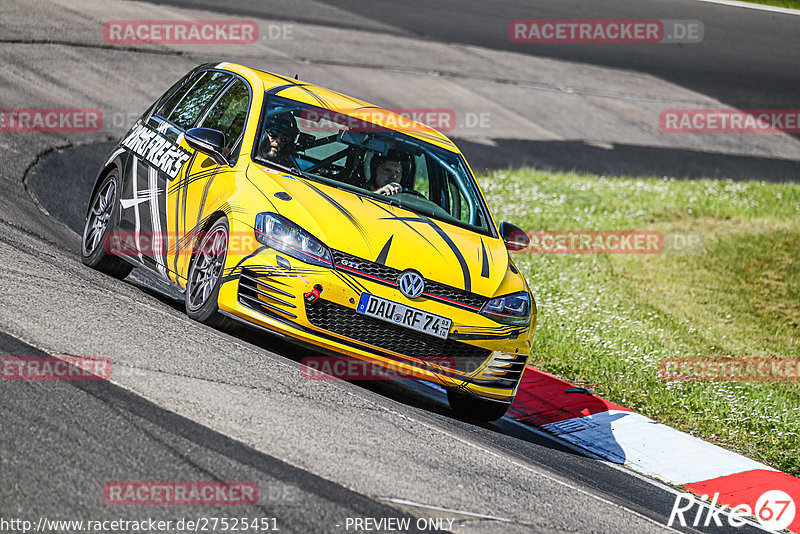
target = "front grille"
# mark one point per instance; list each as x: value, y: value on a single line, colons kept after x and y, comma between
x: 365, y: 266
x: 346, y: 322
x: 390, y: 274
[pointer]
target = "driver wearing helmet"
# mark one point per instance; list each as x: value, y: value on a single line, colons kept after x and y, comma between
x: 280, y: 131
x: 387, y: 173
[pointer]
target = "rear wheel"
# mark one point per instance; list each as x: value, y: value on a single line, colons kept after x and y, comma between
x: 95, y: 250
x: 205, y: 276
x: 470, y: 407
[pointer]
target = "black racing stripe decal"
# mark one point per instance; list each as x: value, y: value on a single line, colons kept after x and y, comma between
x: 247, y: 175
x: 344, y: 211
x: 193, y: 232
x: 349, y: 282
x: 284, y: 78
x: 513, y: 334
x: 183, y: 179
x: 205, y: 194
x: 231, y: 274
x: 355, y: 281
x: 322, y: 102
x: 485, y: 261
x: 384, y: 252
x: 199, y: 176
x: 279, y: 88
x: 458, y: 254
x: 446, y: 238
x: 173, y: 190
x: 395, y: 217
x: 185, y: 194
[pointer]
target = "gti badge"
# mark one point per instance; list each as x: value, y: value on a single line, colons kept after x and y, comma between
x: 411, y: 284
x: 351, y: 264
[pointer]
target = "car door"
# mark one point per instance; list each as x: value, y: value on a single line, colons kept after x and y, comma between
x: 191, y: 197
x: 158, y: 157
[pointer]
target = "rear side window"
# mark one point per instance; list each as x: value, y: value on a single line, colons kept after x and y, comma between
x: 192, y: 103
x: 169, y: 104
x: 228, y: 116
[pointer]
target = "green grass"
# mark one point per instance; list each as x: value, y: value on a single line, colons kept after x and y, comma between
x: 606, y: 321
x: 794, y: 4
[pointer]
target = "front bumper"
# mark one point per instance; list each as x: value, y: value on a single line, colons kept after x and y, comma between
x: 479, y: 357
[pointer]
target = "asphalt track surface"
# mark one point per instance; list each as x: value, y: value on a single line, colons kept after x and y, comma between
x: 193, y: 403
x: 748, y: 58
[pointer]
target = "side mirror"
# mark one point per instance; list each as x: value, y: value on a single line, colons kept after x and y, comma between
x: 514, y: 237
x: 209, y: 142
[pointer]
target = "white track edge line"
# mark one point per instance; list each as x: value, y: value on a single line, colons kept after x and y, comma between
x: 757, y: 7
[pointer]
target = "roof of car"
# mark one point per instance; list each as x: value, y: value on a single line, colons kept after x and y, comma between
x: 337, y: 102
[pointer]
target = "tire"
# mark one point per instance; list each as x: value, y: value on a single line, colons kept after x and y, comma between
x: 474, y: 408
x: 205, y: 276
x: 103, y: 209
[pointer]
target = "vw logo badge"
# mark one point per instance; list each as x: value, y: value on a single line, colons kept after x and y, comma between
x: 411, y: 284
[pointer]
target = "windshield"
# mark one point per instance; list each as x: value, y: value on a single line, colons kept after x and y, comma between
x: 370, y: 160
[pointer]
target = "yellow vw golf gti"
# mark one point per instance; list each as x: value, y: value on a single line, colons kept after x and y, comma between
x: 317, y: 216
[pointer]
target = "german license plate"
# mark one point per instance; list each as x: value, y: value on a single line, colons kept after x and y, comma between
x: 400, y: 314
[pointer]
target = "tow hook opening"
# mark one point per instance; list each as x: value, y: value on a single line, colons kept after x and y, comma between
x: 313, y: 295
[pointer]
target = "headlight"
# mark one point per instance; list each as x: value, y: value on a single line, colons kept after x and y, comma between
x: 512, y: 309
x: 282, y: 234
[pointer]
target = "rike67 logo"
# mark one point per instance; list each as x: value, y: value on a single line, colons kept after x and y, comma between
x: 774, y: 510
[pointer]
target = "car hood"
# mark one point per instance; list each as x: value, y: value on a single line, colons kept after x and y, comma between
x: 396, y: 237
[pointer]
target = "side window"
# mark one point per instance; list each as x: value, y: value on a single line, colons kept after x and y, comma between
x: 169, y: 104
x: 228, y: 116
x: 197, y: 98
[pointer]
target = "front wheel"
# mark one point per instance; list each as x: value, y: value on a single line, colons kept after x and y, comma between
x: 205, y: 275
x: 470, y: 407
x: 95, y: 249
